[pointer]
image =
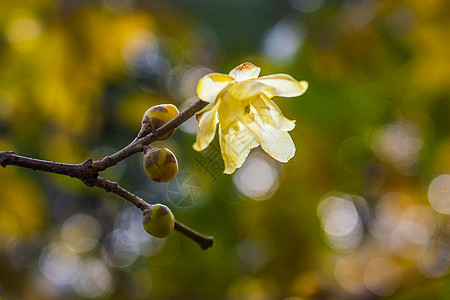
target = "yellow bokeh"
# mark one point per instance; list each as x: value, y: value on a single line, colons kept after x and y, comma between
x: 22, y: 207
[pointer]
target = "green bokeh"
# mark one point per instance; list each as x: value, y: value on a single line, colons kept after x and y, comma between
x: 76, y: 77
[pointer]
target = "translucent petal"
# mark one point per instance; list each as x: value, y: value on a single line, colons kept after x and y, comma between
x: 199, y: 115
x: 244, y: 152
x: 245, y: 71
x: 210, y: 86
x: 229, y: 150
x: 282, y: 85
x: 260, y: 108
x: 206, y: 129
x: 242, y: 156
x: 276, y: 117
x: 246, y: 91
x: 249, y: 135
x: 234, y: 152
x: 235, y: 102
x: 277, y: 143
x: 231, y: 110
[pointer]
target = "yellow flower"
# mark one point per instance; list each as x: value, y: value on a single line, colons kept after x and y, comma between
x: 241, y: 103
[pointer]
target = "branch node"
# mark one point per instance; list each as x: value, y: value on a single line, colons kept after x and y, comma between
x: 87, y: 163
x: 4, y: 158
x: 146, y: 149
x: 145, y: 129
x: 91, y: 180
x: 88, y: 171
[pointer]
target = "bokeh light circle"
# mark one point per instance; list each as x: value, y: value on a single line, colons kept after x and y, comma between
x: 439, y: 194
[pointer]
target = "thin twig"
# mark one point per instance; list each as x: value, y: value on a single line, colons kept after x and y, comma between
x: 88, y: 171
x: 136, y: 145
x: 114, y: 187
x: 72, y: 170
x: 205, y: 242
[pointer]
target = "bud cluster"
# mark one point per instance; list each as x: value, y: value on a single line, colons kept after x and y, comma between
x: 160, y: 165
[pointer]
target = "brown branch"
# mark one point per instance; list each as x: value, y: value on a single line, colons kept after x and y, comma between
x: 87, y: 171
x: 76, y: 171
x: 205, y: 242
x: 136, y: 145
x: 114, y: 187
x: 72, y: 170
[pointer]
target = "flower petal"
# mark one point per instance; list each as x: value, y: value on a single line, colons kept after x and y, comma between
x: 234, y: 152
x: 249, y: 135
x: 277, y: 143
x: 283, y: 85
x: 231, y: 110
x: 199, y: 114
x: 210, y: 86
x: 276, y: 117
x: 247, y: 90
x: 229, y: 150
x: 206, y: 129
x: 245, y: 71
x: 235, y: 101
x: 260, y: 107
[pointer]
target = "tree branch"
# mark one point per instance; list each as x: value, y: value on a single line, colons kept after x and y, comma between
x: 114, y: 187
x: 205, y: 242
x: 136, y: 145
x: 72, y: 170
x: 88, y: 171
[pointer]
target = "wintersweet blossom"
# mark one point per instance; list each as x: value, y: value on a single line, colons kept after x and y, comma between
x: 241, y: 102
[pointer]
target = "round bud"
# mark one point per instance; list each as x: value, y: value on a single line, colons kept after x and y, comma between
x: 160, y: 164
x: 156, y: 117
x: 158, y: 221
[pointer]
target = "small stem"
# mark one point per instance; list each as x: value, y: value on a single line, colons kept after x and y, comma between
x: 114, y: 187
x: 136, y: 145
x: 205, y: 242
x: 147, y: 148
x: 87, y: 171
x: 72, y: 170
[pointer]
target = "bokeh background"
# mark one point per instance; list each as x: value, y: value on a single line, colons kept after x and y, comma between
x: 361, y: 212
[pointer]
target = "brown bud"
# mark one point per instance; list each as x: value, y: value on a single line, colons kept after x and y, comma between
x: 160, y: 164
x: 156, y: 117
x: 158, y: 220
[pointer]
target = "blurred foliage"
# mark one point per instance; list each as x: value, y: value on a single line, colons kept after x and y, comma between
x: 362, y: 210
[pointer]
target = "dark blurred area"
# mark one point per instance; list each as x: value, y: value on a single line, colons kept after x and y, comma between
x: 361, y: 212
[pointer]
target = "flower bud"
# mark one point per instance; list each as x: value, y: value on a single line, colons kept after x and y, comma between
x: 158, y: 221
x: 160, y: 164
x: 156, y: 117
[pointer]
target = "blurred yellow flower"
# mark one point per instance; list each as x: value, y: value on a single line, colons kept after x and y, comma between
x: 241, y: 103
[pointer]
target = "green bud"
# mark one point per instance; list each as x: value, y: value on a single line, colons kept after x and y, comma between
x: 160, y: 164
x: 158, y: 221
x: 156, y: 117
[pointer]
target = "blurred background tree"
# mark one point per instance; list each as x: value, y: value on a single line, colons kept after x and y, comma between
x: 362, y: 210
